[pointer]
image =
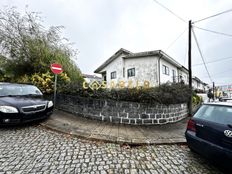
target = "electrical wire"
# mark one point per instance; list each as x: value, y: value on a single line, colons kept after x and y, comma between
x: 217, y: 60
x: 169, y: 11
x: 227, y: 11
x: 173, y: 42
x: 216, y: 75
x: 215, y: 32
x: 198, y: 46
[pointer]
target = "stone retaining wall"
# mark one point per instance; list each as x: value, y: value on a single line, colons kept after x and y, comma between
x: 120, y: 111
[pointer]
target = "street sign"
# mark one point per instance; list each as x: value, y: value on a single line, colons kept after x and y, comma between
x: 56, y: 68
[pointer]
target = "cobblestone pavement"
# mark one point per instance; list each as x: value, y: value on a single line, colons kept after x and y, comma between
x: 34, y: 149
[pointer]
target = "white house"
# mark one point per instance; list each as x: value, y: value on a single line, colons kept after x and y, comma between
x: 197, y: 84
x: 91, y: 78
x: 135, y: 69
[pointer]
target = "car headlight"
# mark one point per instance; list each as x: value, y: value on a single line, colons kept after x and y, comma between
x: 50, y: 104
x: 8, y: 109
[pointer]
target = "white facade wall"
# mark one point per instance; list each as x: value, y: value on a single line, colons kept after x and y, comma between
x: 185, y: 76
x: 115, y: 65
x: 197, y: 85
x: 194, y: 84
x: 167, y: 78
x: 146, y: 69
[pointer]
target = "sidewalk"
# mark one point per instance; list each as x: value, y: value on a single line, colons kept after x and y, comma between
x: 117, y: 133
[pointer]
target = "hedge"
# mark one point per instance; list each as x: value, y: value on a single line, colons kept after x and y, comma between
x: 164, y: 94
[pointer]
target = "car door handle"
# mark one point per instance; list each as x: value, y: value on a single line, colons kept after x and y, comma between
x: 200, y: 125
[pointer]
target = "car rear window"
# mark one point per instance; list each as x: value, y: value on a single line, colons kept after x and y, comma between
x: 215, y: 113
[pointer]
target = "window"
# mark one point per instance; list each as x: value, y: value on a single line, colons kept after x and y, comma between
x: 174, y: 75
x: 113, y: 75
x: 131, y: 72
x: 123, y: 72
x: 216, y: 114
x: 104, y: 77
x: 165, y: 70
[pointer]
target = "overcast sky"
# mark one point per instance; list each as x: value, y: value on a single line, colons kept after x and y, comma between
x: 100, y: 27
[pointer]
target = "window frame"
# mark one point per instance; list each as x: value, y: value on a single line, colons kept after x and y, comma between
x: 165, y: 70
x: 113, y: 75
x: 131, y: 74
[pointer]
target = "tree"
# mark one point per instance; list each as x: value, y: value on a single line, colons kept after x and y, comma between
x: 28, y: 47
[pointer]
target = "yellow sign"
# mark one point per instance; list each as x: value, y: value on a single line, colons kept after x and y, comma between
x: 95, y: 85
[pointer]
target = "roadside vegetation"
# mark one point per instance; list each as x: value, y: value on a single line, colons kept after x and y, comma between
x: 169, y: 93
x: 28, y: 49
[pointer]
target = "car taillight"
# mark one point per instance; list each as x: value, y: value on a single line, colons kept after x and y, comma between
x: 191, y: 125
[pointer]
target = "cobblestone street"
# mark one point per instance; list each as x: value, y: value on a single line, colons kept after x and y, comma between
x: 37, y: 150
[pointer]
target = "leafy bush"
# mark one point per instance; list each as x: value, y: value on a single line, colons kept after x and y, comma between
x: 196, y: 99
x: 164, y: 94
x: 28, y: 48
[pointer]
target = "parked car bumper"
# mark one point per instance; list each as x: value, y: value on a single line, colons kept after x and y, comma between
x: 17, y: 118
x: 209, y: 150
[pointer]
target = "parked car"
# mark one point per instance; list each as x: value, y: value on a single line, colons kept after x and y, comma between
x: 209, y: 132
x: 21, y: 103
x: 225, y: 99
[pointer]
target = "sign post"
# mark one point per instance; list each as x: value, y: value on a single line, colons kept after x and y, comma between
x: 56, y: 69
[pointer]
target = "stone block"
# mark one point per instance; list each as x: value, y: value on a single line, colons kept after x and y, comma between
x: 132, y: 121
x: 123, y: 114
x: 147, y: 121
x: 99, y: 104
x: 143, y: 106
x: 149, y: 111
x: 135, y: 105
x: 116, y: 120
x: 139, y: 121
x: 158, y: 116
x: 167, y: 115
x: 154, y: 121
x: 161, y: 121
x: 152, y: 115
x: 133, y: 115
x: 105, y: 118
x: 96, y: 117
x: 125, y: 105
x: 111, y: 103
x: 125, y: 120
x: 144, y: 116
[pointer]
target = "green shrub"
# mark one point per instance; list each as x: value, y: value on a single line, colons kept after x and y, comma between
x: 164, y: 94
x: 196, y: 99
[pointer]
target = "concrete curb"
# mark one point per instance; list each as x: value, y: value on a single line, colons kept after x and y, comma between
x: 112, y: 139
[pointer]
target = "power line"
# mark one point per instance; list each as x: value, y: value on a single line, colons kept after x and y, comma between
x: 173, y: 42
x: 169, y: 11
x: 227, y: 11
x: 215, y: 32
x: 217, y: 60
x: 218, y: 73
x: 201, y: 54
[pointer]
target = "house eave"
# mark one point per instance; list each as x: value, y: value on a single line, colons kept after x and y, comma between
x: 108, y: 61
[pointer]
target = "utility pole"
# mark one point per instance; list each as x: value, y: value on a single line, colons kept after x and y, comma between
x: 213, y: 91
x: 190, y: 67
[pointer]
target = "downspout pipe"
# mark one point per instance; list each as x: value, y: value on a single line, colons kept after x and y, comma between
x: 160, y: 56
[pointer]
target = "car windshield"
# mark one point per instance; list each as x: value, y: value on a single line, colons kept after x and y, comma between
x: 215, y: 113
x: 18, y: 90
